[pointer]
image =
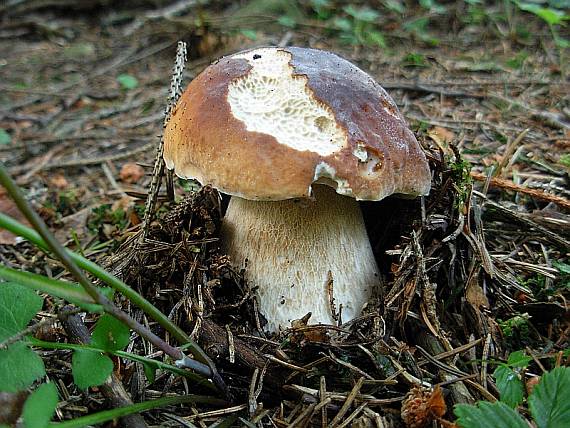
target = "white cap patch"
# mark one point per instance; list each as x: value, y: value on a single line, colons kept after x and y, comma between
x: 325, y: 171
x: 270, y: 100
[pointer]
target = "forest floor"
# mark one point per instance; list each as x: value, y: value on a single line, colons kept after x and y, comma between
x: 480, y: 269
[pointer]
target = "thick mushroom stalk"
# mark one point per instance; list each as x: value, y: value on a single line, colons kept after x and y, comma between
x: 292, y: 245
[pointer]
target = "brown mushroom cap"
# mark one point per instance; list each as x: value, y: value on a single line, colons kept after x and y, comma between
x: 267, y: 123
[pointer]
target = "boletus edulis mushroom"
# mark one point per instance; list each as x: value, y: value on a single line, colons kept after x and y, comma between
x: 296, y: 136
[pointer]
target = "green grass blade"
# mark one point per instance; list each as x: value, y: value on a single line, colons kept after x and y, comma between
x: 66, y: 290
x: 109, y: 415
x: 200, y: 381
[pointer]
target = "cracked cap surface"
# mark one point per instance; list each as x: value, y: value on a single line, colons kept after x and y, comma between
x: 267, y: 123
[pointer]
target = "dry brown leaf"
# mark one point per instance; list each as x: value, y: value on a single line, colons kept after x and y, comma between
x: 59, y: 181
x: 125, y: 203
x: 531, y: 383
x: 131, y: 173
x: 475, y: 295
x: 422, y: 406
x: 436, y: 403
x: 8, y: 207
x: 442, y: 136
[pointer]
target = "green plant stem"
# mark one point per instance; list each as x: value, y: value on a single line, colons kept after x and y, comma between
x: 61, y: 253
x: 66, y: 290
x: 109, y: 415
x: 123, y: 354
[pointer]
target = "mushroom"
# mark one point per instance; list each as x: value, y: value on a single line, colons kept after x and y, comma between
x: 296, y: 136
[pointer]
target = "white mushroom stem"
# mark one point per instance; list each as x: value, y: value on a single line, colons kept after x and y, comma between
x: 290, y: 247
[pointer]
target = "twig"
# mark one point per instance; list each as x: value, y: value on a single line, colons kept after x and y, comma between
x: 518, y: 218
x: 286, y: 364
x: 429, y: 88
x: 350, y: 366
x: 458, y: 350
x: 97, y: 160
x: 354, y: 414
x: 305, y: 414
x: 396, y: 84
x: 509, y: 185
x: 342, y: 396
x: 347, y: 403
x: 323, y: 397
x: 251, y: 397
x: 553, y: 119
x: 158, y: 170
x: 165, y: 12
x: 509, y: 152
x: 231, y: 347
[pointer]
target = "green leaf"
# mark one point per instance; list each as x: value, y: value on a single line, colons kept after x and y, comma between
x: 322, y: 8
x: 127, y: 81
x: 432, y: 6
x: 110, y: 334
x: 364, y: 14
x: 40, y: 406
x: 250, y: 34
x: 395, y: 6
x: 19, y: 367
x: 287, y: 21
x: 563, y: 268
x: 343, y: 24
x: 518, y: 359
x: 485, y: 415
x: 375, y: 38
x: 414, y: 59
x: 90, y: 368
x: 150, y: 371
x: 18, y: 305
x: 562, y: 43
x: 549, y: 15
x: 549, y: 402
x: 135, y: 298
x: 197, y: 379
x: 5, y: 138
x: 509, y: 385
x: 517, y: 61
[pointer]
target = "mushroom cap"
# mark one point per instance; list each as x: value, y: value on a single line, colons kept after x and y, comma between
x: 267, y: 123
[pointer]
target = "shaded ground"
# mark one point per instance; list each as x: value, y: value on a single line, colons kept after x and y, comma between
x: 484, y: 272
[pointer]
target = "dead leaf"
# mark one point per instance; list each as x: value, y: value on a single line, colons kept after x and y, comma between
x: 436, y: 403
x: 531, y: 383
x: 422, y: 406
x: 475, y: 295
x: 125, y: 203
x: 59, y: 181
x: 131, y: 173
x: 8, y: 207
x: 442, y: 136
